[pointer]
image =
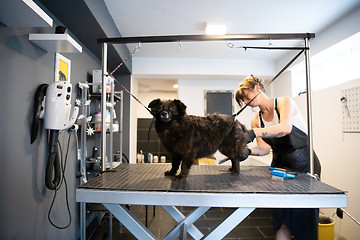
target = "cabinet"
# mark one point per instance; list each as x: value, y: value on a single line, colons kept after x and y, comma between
x: 148, y: 140
x: 91, y: 166
x: 91, y: 161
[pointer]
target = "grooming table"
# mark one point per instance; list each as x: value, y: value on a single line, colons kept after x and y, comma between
x: 205, y: 187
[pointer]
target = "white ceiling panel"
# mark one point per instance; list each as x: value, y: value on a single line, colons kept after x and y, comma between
x: 187, y: 17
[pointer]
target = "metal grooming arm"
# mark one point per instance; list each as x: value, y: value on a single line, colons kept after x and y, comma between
x: 199, y: 38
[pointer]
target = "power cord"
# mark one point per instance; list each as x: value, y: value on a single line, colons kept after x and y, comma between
x: 63, y: 179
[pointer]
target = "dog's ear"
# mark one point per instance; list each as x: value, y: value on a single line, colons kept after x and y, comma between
x: 180, y: 106
x: 154, y: 103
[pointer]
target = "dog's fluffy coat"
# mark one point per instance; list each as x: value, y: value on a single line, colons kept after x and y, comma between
x: 188, y: 137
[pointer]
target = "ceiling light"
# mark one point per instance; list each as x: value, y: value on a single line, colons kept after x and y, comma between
x: 175, y: 86
x: 215, y: 29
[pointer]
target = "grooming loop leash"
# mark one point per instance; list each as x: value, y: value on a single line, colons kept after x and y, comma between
x: 272, y: 80
x: 137, y: 48
x: 123, y: 87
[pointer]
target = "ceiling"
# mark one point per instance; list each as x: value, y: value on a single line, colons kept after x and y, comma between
x: 187, y: 17
x: 114, y: 18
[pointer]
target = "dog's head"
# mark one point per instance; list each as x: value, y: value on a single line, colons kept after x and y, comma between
x: 167, y: 110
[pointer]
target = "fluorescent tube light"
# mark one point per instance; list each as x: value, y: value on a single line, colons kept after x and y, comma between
x: 215, y: 29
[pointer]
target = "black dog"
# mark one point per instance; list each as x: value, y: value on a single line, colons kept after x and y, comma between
x: 189, y: 137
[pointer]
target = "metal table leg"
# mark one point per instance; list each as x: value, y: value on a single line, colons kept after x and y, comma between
x: 229, y: 223
x: 82, y: 221
x: 135, y: 226
x: 185, y: 223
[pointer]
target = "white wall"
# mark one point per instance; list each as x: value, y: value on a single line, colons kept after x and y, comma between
x: 339, y: 30
x: 338, y: 152
x: 282, y: 85
x: 201, y: 67
x: 133, y: 120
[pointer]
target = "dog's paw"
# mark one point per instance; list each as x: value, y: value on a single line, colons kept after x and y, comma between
x: 180, y: 177
x: 234, y: 171
x: 169, y: 173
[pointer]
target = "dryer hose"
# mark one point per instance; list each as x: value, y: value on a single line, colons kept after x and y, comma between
x: 53, y: 168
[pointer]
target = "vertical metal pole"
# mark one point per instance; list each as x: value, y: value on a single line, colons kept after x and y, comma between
x: 83, y: 134
x: 110, y: 226
x: 82, y: 221
x: 111, y: 140
x: 309, y: 104
x: 121, y: 123
x: 103, y: 107
x: 83, y: 164
x: 111, y: 124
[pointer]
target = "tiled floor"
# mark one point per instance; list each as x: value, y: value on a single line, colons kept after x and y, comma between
x: 257, y: 226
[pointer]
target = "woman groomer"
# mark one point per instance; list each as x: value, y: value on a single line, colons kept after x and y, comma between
x: 280, y: 127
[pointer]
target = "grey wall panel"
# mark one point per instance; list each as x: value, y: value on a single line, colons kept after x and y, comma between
x: 24, y: 199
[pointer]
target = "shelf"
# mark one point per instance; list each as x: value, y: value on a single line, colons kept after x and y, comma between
x: 107, y: 132
x: 63, y: 43
x: 23, y: 13
x: 98, y: 96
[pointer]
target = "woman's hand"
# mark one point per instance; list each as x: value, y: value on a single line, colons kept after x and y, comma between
x: 250, y: 136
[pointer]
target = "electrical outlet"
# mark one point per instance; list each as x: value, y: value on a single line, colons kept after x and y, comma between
x: 340, y: 213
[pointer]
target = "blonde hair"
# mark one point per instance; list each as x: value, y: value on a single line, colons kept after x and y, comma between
x: 248, y: 84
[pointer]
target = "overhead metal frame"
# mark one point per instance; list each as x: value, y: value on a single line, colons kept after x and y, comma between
x: 196, y: 38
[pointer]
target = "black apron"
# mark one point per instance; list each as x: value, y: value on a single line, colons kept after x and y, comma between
x: 291, y: 152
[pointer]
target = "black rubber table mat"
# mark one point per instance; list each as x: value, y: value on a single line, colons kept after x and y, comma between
x: 206, y: 179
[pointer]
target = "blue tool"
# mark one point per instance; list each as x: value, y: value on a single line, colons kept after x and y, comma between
x: 282, y: 169
x: 224, y: 160
x: 282, y: 174
x: 278, y: 169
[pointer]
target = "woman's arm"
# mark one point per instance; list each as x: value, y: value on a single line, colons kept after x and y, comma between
x: 287, y: 109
